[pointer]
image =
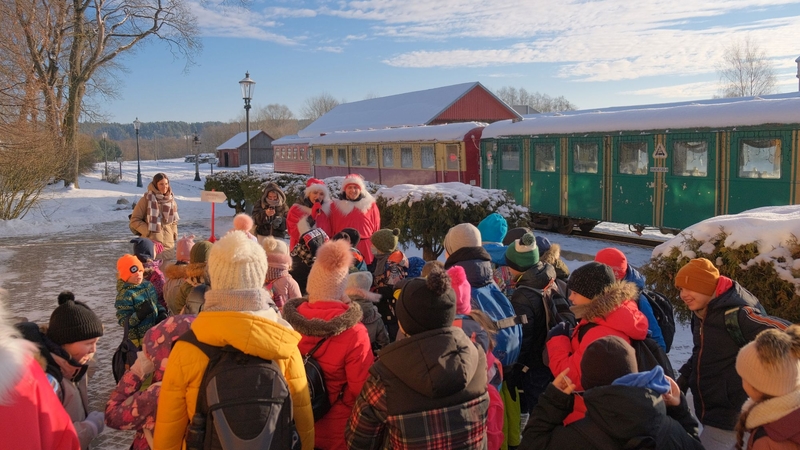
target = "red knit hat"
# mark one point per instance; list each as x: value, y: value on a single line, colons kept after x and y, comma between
x: 615, y: 259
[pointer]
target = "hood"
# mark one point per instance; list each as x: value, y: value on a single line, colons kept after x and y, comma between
x: 730, y: 293
x: 368, y: 309
x: 321, y: 318
x: 180, y: 271
x: 624, y: 411
x: 14, y: 353
x: 476, y: 263
x: 258, y: 333
x: 272, y: 187
x: 538, y: 276
x: 635, y: 277
x: 158, y: 340
x: 551, y: 255
x: 436, y: 363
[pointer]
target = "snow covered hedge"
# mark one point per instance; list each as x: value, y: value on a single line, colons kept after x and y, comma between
x: 758, y: 248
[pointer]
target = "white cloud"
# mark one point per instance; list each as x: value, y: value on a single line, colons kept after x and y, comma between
x: 331, y: 49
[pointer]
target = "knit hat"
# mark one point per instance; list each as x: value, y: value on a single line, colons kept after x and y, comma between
x: 615, y: 259
x: 73, y: 321
x: 184, y: 247
x: 356, y: 179
x: 698, y: 275
x: 460, y: 236
x: 591, y: 279
x: 516, y: 233
x: 315, y: 184
x: 349, y: 233
x: 426, y: 303
x: 236, y: 262
x: 493, y: 228
x: 605, y: 360
x: 523, y: 253
x: 359, y: 285
x: 277, y: 253
x: 200, y: 252
x: 543, y: 243
x: 462, y: 289
x: 308, y: 245
x: 128, y: 265
x: 385, y: 239
x: 242, y: 222
x: 776, y: 371
x: 143, y: 249
x: 328, y: 277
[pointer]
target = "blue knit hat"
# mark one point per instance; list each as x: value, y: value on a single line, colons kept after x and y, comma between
x: 493, y: 228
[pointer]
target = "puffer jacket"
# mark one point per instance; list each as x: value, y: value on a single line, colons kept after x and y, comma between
x: 276, y: 224
x: 615, y: 313
x: 261, y: 333
x: 344, y: 358
x: 426, y: 391
x: 129, y: 298
x: 711, y: 370
x: 138, y: 222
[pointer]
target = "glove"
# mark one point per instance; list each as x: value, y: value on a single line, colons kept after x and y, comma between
x: 144, y: 310
x: 143, y: 366
x: 161, y: 316
x: 562, y: 329
x: 95, y: 420
x: 315, y: 209
x: 277, y: 222
x: 683, y: 383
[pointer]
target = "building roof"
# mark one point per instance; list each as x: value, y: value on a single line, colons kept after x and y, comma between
x: 290, y: 139
x: 240, y: 139
x: 429, y: 133
x: 401, y: 110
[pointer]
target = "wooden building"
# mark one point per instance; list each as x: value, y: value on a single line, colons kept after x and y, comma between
x: 233, y: 152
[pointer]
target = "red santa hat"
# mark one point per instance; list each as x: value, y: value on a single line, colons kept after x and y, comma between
x: 356, y: 179
x: 315, y: 184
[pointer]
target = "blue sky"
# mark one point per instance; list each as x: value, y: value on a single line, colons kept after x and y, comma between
x: 596, y: 53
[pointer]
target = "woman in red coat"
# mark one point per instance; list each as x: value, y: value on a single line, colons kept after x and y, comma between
x: 346, y: 355
x: 356, y: 208
x: 311, y: 212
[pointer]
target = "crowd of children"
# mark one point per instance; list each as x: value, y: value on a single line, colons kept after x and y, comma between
x: 497, y: 347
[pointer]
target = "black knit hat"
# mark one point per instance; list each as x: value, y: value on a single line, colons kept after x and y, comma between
x: 73, y: 321
x: 514, y: 234
x: 605, y: 360
x: 590, y: 279
x: 143, y: 248
x: 426, y: 304
x: 348, y: 233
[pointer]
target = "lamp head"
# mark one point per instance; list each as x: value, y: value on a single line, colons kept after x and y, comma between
x: 248, y: 86
x: 136, y: 124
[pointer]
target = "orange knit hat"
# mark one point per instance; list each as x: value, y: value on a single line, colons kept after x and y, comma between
x: 127, y: 265
x: 699, y: 275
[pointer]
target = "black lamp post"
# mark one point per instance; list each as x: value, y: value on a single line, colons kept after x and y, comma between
x: 196, y: 159
x: 247, y: 86
x: 136, y: 125
x: 105, y: 154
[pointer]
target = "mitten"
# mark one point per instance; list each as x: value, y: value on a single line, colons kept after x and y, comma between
x: 315, y: 209
x: 562, y: 329
x: 143, y: 366
x: 277, y: 222
x: 95, y: 420
x: 144, y: 310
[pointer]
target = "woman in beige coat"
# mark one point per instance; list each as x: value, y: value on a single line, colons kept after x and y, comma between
x: 155, y: 216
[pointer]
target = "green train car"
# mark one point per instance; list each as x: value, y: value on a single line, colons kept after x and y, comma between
x: 662, y: 166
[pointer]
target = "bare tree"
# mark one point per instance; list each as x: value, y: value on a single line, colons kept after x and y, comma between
x: 536, y: 100
x: 316, y: 106
x: 277, y: 120
x: 745, y: 70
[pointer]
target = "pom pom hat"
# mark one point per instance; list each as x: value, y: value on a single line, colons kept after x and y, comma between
x: 127, y: 265
x: 591, y: 279
x: 769, y: 364
x: 277, y: 253
x: 426, y: 304
x: 73, y: 321
x: 184, y: 248
x: 351, y: 234
x: 523, y: 253
x: 615, y: 259
x: 236, y: 262
x: 698, y: 275
x: 328, y: 277
x: 355, y: 179
x: 516, y: 233
x: 385, y: 240
x: 242, y: 222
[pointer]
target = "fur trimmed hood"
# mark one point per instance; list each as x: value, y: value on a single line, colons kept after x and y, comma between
x: 180, y: 271
x: 607, y: 301
x: 316, y: 326
x: 551, y: 255
x: 363, y: 204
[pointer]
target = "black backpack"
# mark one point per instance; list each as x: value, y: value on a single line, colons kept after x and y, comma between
x: 243, y: 403
x: 320, y: 403
x: 124, y: 357
x: 664, y: 313
x: 648, y: 353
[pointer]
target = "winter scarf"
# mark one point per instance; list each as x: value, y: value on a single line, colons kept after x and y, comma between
x: 160, y: 207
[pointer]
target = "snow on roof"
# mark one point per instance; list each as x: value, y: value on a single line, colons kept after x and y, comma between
x: 290, y: 140
x: 757, y: 111
x: 447, y: 132
x: 770, y: 227
x: 238, y: 140
x: 407, y: 109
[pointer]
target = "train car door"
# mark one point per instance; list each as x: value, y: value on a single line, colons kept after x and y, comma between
x: 545, y: 176
x: 508, y: 163
x: 631, y: 196
x: 585, y: 178
x: 691, y: 183
x: 760, y: 170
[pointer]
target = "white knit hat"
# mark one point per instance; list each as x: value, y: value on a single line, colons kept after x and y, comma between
x: 460, y: 236
x: 356, y: 179
x: 779, y: 377
x: 236, y: 262
x: 328, y: 277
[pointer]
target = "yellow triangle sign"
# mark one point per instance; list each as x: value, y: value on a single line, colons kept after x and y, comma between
x: 660, y: 153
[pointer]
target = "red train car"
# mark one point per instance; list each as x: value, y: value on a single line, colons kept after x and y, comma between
x: 292, y: 155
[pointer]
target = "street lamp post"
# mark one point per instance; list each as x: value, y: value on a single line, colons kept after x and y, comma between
x: 798, y: 71
x: 196, y: 159
x: 105, y: 154
x: 136, y: 125
x: 247, y: 86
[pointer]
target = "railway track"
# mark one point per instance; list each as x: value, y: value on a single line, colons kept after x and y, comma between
x: 611, y: 237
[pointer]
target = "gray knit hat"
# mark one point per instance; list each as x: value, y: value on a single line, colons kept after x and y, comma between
x: 591, y: 279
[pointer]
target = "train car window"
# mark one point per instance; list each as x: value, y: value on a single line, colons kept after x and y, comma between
x: 342, y: 153
x: 690, y: 158
x: 406, y: 157
x: 372, y: 157
x: 355, y: 156
x: 633, y: 159
x: 509, y: 157
x: 283, y: 153
x: 453, y: 161
x: 426, y: 156
x: 760, y: 158
x: 545, y: 155
x: 294, y: 154
x: 584, y: 157
x: 317, y: 156
x: 328, y: 156
x: 388, y: 156
x: 302, y: 153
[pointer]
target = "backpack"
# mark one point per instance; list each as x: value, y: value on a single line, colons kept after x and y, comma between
x: 320, y: 402
x: 664, y: 313
x: 732, y: 321
x: 243, y: 403
x: 648, y: 353
x: 124, y: 356
x: 556, y: 307
x: 490, y: 300
x: 195, y: 300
